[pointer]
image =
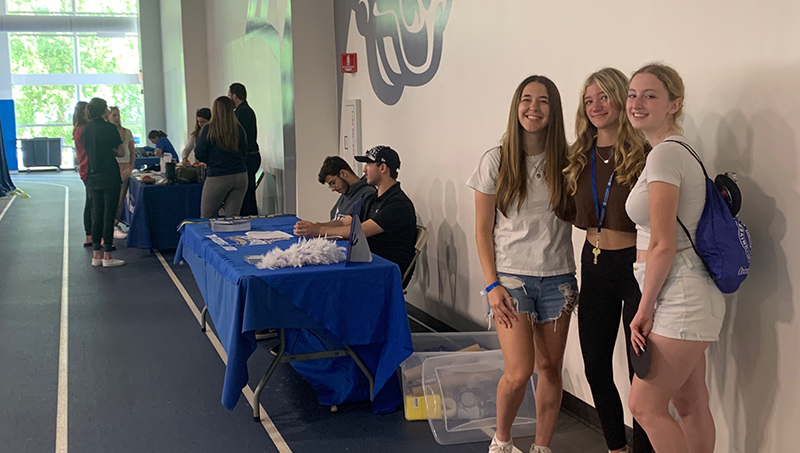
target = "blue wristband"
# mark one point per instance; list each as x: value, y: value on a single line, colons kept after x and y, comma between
x: 491, y: 287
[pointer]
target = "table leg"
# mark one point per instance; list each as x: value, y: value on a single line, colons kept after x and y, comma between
x: 275, y: 362
x: 281, y: 358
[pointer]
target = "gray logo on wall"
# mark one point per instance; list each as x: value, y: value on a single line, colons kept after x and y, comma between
x: 404, y: 42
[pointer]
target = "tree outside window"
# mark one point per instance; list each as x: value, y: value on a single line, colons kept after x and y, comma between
x: 43, y: 105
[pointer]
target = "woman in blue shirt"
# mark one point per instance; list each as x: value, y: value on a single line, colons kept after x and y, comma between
x: 163, y: 145
x: 222, y: 145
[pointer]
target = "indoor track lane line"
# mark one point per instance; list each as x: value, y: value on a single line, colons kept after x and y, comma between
x: 266, y: 422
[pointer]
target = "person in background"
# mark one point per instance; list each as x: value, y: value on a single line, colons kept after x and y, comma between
x: 126, y: 163
x: 524, y: 239
x: 605, y: 161
x: 222, y: 145
x: 388, y: 218
x: 102, y: 143
x: 247, y: 118
x: 79, y: 120
x: 202, y: 116
x: 340, y: 178
x: 682, y: 310
x: 163, y: 145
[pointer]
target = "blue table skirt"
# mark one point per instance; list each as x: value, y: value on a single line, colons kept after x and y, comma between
x: 153, y: 213
x: 360, y: 305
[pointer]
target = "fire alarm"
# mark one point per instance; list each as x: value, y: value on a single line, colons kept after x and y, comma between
x: 349, y: 63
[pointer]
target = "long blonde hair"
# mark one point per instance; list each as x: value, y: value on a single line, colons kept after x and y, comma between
x: 223, y: 128
x: 123, y: 132
x: 672, y: 82
x: 512, y: 181
x: 629, y: 148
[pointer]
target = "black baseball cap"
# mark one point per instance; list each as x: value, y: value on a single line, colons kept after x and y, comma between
x: 381, y: 155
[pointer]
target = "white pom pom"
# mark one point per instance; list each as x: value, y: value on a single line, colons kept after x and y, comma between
x: 304, y: 252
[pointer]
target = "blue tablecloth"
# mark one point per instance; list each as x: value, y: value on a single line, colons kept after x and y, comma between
x: 360, y: 305
x: 153, y: 213
x: 147, y: 161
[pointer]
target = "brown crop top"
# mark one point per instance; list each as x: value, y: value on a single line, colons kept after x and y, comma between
x: 616, y: 218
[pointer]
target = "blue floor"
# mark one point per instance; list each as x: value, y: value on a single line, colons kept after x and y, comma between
x: 142, y: 376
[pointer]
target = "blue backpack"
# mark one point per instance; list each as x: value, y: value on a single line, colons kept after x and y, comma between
x: 723, y: 242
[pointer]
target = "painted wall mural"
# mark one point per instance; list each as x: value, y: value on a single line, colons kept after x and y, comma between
x: 404, y: 40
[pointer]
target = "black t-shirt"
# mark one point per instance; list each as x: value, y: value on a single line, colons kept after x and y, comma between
x: 394, y: 213
x: 100, y: 138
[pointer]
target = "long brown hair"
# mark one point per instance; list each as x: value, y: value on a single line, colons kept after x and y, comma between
x: 223, y: 129
x: 512, y: 181
x: 80, y: 116
x: 629, y: 149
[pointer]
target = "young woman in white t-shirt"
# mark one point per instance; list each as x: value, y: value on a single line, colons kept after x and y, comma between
x: 681, y: 309
x: 523, y: 233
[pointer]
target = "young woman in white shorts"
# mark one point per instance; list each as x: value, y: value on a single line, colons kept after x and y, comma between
x: 681, y: 309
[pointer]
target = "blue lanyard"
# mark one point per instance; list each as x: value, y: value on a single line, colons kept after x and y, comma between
x: 600, y: 211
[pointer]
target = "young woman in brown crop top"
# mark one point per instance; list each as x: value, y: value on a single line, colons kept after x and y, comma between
x: 609, y: 155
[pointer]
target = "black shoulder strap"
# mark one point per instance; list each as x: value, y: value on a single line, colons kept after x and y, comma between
x: 686, y: 230
x: 694, y: 154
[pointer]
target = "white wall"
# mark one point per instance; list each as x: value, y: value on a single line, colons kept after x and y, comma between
x: 152, y: 64
x: 195, y: 61
x: 174, y: 72
x: 315, y: 104
x: 740, y: 62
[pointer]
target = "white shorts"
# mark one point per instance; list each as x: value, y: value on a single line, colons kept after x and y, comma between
x: 689, y: 305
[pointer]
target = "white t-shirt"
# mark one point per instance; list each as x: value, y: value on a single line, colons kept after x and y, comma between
x: 532, y: 241
x: 671, y: 163
x: 126, y: 158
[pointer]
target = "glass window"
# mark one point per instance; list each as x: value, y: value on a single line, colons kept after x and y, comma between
x: 42, y: 54
x: 106, y: 6
x: 39, y: 6
x: 108, y: 55
x: 65, y: 132
x: 128, y: 98
x: 44, y: 104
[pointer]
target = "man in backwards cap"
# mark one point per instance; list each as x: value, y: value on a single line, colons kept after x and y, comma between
x: 388, y: 218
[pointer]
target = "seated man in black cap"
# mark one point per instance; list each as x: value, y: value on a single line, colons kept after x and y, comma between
x: 340, y: 178
x: 388, y: 218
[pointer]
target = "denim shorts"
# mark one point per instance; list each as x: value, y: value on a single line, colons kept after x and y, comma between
x: 689, y: 305
x: 544, y: 298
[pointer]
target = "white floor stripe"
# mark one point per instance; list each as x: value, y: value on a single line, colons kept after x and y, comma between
x: 3, y: 214
x: 63, y: 389
x: 266, y: 422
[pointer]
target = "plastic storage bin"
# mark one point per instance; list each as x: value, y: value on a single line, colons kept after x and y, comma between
x: 41, y: 152
x: 427, y: 345
x: 461, y: 395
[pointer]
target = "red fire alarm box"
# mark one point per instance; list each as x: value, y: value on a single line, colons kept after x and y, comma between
x: 349, y: 63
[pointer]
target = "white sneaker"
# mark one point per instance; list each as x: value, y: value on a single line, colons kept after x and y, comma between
x: 497, y: 447
x: 119, y: 234
x: 540, y: 449
x: 113, y: 263
x: 96, y: 262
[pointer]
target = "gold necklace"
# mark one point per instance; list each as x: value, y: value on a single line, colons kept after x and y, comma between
x: 605, y: 161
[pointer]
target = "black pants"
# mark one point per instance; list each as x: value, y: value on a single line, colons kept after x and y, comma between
x: 608, y: 290
x: 249, y: 206
x: 87, y: 212
x: 104, y: 207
